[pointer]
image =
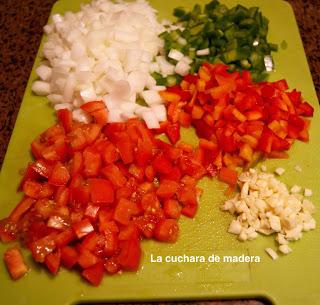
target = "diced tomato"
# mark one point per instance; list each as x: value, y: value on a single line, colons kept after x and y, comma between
x: 23, y: 206
x: 69, y: 256
x: 123, y: 210
x: 161, y: 164
x: 172, y: 208
x: 189, y: 210
x: 53, y: 261
x: 42, y: 167
x: 101, y: 191
x: 167, y: 189
x: 110, y: 154
x: 82, y: 228
x: 94, y: 274
x: 62, y: 196
x: 125, y: 147
x: 59, y: 175
x: 112, y: 266
x: 130, y: 253
x: 15, y: 263
x: 64, y: 238
x: 87, y: 259
x: 167, y: 230
x: 65, y: 117
x: 92, y: 211
x: 91, y: 162
x: 111, y: 243
x: 42, y: 247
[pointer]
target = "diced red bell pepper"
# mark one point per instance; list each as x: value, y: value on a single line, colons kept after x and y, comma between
x: 305, y: 109
x: 15, y: 263
x: 228, y: 175
x: 173, y: 132
x: 93, y: 106
x: 100, y: 116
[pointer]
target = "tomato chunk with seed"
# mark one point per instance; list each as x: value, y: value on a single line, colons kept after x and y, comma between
x: 15, y: 263
x: 101, y: 191
x: 94, y: 274
x: 167, y: 230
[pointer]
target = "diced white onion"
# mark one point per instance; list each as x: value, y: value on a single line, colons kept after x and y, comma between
x: 44, y: 72
x: 41, y: 88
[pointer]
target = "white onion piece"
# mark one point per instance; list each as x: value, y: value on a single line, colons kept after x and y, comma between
x: 88, y: 94
x: 114, y: 115
x: 160, y: 112
x: 63, y: 106
x: 175, y: 54
x: 150, y: 119
x: 55, y: 98
x: 151, y: 97
x: 81, y: 116
x: 137, y: 81
x: 182, y: 68
x: 44, y: 72
x: 106, y: 49
x: 41, y: 88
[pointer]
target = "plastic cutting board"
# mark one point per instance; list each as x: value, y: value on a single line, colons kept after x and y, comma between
x: 291, y: 280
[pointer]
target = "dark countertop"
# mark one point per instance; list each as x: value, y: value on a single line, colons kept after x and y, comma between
x: 21, y: 25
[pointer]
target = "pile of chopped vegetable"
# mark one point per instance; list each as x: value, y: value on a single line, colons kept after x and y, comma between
x: 265, y: 205
x: 105, y: 51
x: 236, y: 36
x: 238, y: 121
x: 94, y: 192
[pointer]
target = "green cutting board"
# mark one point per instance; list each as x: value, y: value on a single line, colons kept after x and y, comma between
x: 290, y: 280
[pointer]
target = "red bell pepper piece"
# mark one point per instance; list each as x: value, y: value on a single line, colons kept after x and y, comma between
x: 173, y: 132
x: 228, y: 175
